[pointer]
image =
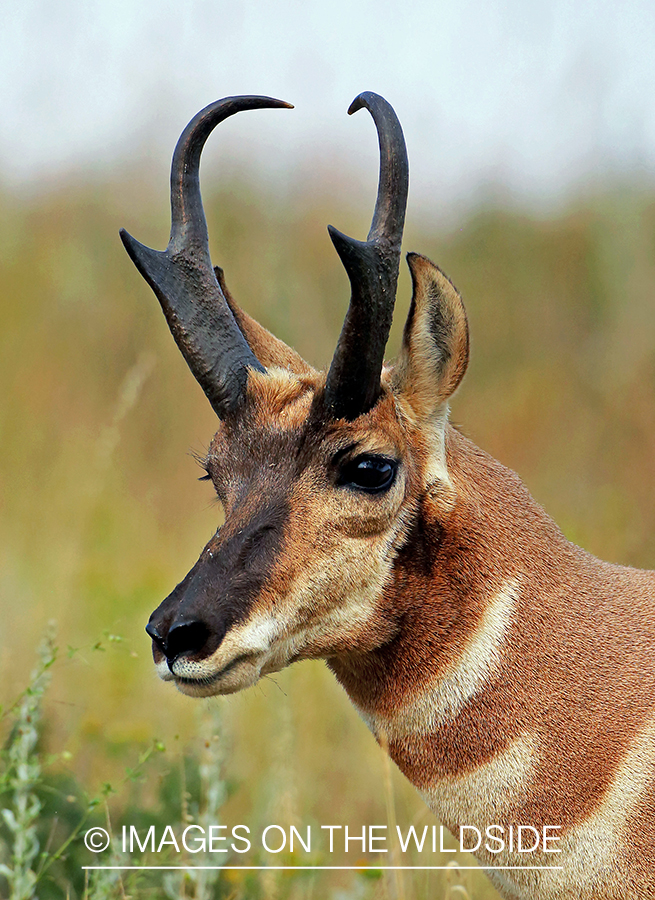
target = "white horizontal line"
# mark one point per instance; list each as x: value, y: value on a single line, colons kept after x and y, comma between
x: 329, y: 868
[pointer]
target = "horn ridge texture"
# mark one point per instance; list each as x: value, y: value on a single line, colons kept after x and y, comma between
x: 183, y: 278
x: 353, y: 382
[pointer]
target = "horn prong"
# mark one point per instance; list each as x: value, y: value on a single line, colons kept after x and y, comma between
x: 353, y: 381
x: 183, y: 278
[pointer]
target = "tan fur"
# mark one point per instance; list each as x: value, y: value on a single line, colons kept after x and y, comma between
x: 268, y: 349
x: 277, y: 396
x: 425, y: 378
x: 510, y: 674
x: 440, y: 700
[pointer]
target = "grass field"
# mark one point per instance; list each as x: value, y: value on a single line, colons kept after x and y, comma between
x: 102, y: 513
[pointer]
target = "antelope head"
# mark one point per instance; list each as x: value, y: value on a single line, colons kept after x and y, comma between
x: 322, y: 476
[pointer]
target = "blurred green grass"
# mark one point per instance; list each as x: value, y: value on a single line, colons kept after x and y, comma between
x: 101, y: 513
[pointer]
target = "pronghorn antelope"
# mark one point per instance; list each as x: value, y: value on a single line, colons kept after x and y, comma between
x: 510, y: 674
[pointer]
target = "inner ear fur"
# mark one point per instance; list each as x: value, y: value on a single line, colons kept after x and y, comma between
x: 435, y: 347
x: 268, y: 349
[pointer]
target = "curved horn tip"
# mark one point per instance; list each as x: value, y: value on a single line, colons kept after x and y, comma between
x: 363, y: 100
x: 270, y: 102
x: 281, y: 104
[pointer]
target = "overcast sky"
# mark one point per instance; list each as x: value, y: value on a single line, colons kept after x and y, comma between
x: 537, y: 95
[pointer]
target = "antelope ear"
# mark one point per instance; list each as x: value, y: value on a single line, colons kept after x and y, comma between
x: 268, y: 349
x: 435, y: 348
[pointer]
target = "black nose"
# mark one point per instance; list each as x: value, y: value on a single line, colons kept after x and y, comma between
x: 153, y: 632
x: 183, y: 638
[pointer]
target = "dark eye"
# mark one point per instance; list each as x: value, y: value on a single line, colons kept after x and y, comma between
x: 372, y: 474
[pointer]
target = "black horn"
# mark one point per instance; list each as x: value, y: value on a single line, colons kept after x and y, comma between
x: 183, y: 278
x: 353, y: 382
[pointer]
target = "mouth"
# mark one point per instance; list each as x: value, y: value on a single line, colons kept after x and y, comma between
x: 239, y: 662
x: 240, y: 673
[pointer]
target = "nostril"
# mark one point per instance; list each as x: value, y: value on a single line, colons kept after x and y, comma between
x: 156, y: 636
x: 186, y: 637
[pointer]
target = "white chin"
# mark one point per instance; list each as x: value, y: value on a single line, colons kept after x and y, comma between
x: 163, y: 671
x: 242, y: 675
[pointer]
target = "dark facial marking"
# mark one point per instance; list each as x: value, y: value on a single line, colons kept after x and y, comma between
x: 219, y: 590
